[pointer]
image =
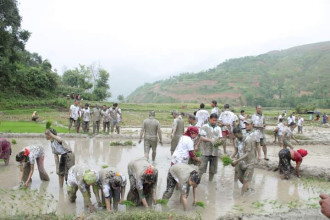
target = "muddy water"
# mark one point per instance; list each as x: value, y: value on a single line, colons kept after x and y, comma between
x: 221, y: 197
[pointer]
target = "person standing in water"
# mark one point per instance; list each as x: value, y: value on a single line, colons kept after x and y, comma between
x: 73, y: 114
x: 151, y: 129
x: 259, y: 124
x: 60, y: 148
x: 26, y: 159
x: 227, y: 123
x: 177, y: 130
x: 287, y: 135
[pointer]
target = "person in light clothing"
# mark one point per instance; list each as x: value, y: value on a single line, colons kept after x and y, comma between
x: 202, y: 116
x: 300, y: 124
x: 227, y: 123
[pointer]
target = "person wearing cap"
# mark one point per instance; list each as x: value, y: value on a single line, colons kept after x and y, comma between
x: 81, y: 177
x: 113, y: 185
x: 96, y: 119
x: 202, y: 116
x: 209, y: 141
x: 183, y: 176
x: 106, y: 119
x: 177, y: 130
x: 26, y: 159
x: 5, y: 150
x: 86, y: 117
x: 151, y: 129
x: 60, y: 148
x: 185, y: 149
x: 215, y: 109
x: 143, y: 179
x: 246, y: 153
x: 287, y: 135
x: 285, y: 156
x: 259, y: 124
x: 227, y: 122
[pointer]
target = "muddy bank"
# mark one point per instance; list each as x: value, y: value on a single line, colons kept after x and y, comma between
x: 295, y: 214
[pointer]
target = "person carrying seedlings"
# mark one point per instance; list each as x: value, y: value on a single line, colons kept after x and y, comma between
x: 86, y: 116
x: 60, y: 148
x: 209, y: 141
x: 113, y: 186
x: 151, y: 129
x: 287, y: 135
x: 246, y: 151
x: 26, y: 159
x: 185, y: 149
x: 143, y: 179
x: 81, y: 177
x: 285, y: 156
x: 5, y: 150
x: 177, y: 130
x: 106, y: 119
x: 184, y: 176
x: 259, y: 124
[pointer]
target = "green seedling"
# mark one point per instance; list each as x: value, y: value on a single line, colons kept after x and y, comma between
x: 200, y: 204
x: 128, y: 203
x: 105, y: 166
x: 217, y: 144
x: 162, y: 201
x: 198, y: 154
x: 226, y: 160
x: 13, y: 141
x: 48, y: 124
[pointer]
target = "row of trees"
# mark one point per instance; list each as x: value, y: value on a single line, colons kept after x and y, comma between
x: 26, y: 74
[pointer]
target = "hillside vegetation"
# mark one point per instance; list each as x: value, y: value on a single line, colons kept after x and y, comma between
x: 296, y: 76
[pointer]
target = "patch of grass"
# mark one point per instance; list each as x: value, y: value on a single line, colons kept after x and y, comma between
x: 258, y: 204
x: 162, y: 201
x: 126, y: 143
x: 200, y: 204
x: 26, y: 127
x: 13, y: 141
x: 226, y: 160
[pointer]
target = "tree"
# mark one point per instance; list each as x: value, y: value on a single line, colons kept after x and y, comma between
x: 120, y: 98
x: 102, y: 86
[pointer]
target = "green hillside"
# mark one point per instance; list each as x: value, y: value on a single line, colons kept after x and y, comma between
x: 299, y: 75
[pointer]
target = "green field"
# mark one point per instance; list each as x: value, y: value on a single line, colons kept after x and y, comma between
x: 26, y: 127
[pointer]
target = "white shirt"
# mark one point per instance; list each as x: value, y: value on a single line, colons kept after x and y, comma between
x: 280, y: 127
x: 202, y: 117
x: 216, y: 111
x: 227, y: 117
x: 241, y: 121
x: 294, y: 118
x: 181, y: 153
x: 74, y: 112
x: 290, y: 120
x: 278, y: 119
x: 86, y: 113
x: 300, y: 121
x: 119, y: 114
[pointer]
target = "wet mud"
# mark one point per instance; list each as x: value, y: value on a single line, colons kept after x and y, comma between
x: 222, y: 196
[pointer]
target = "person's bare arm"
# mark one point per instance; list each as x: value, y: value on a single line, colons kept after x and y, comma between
x: 141, y: 133
x: 295, y: 139
x: 202, y: 138
x: 97, y: 194
x: 297, y: 168
x: 174, y: 129
x: 234, y: 153
x: 107, y: 204
x: 160, y: 136
x: 184, y: 201
x: 122, y: 191
x: 21, y: 174
x: 195, y: 195
x: 30, y: 175
x: 57, y: 138
x: 56, y: 162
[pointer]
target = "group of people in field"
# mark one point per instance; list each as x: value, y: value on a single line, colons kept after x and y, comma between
x: 82, y: 116
x: 194, y: 150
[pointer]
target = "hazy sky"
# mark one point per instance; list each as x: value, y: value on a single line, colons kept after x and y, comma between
x: 142, y: 41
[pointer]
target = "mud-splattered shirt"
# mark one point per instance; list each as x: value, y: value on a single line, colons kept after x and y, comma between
x: 36, y: 151
x: 216, y: 110
x: 178, y: 126
x: 74, y: 112
x: 150, y: 129
x: 97, y: 114
x: 76, y: 177
x: 136, y: 169
x: 86, y: 114
x: 202, y: 117
x: 106, y: 115
x: 250, y: 147
x: 181, y: 173
x: 106, y: 174
x: 259, y: 120
x: 59, y: 148
x: 227, y: 117
x: 211, y: 132
x: 288, y: 133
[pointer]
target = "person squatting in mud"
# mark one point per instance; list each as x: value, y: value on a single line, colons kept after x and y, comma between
x: 209, y: 141
x: 113, y: 185
x: 5, y: 150
x: 184, y: 176
x: 247, y: 153
x: 285, y: 156
x: 26, y: 159
x: 150, y: 129
x: 143, y: 179
x: 185, y: 149
x: 60, y: 148
x: 287, y: 135
x: 81, y: 177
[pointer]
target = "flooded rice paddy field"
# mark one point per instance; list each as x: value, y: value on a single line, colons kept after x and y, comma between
x: 222, y: 196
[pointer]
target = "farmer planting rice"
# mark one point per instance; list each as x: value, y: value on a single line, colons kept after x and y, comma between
x: 285, y: 157
x: 81, y: 177
x: 151, y: 129
x: 113, y: 186
x: 184, y: 176
x: 210, y: 136
x: 60, y: 148
x: 5, y: 150
x: 177, y: 130
x: 246, y: 151
x: 185, y: 149
x: 143, y: 179
x: 26, y: 159
x: 287, y: 135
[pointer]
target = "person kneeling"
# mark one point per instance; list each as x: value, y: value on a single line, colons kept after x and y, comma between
x: 185, y: 176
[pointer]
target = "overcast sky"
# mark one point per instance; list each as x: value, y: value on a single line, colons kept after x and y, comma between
x: 142, y: 41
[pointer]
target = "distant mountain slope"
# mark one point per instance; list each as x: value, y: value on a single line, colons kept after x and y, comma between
x: 278, y: 78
